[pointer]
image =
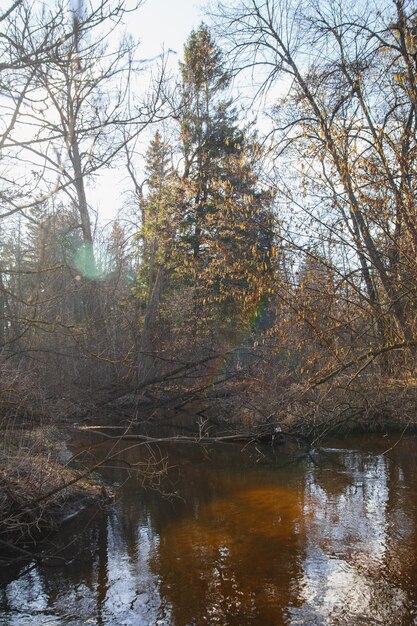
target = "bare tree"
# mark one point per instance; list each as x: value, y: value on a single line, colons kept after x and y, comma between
x: 349, y: 119
x: 78, y: 109
x: 70, y: 104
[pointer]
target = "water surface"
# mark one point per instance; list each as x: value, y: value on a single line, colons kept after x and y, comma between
x: 252, y: 537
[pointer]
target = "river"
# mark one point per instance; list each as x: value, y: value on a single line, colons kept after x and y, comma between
x: 245, y: 535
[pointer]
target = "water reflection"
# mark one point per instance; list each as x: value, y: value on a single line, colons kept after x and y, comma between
x: 329, y: 541
x: 249, y: 545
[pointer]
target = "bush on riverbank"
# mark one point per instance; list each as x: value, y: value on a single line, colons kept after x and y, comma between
x: 33, y: 478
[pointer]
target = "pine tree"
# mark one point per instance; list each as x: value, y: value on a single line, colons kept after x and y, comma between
x: 158, y: 220
x: 208, y: 130
x: 157, y: 238
x: 226, y: 221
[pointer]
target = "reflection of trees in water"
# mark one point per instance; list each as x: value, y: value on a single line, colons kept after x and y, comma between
x: 237, y: 562
x: 333, y: 542
x: 358, y: 561
x: 400, y: 566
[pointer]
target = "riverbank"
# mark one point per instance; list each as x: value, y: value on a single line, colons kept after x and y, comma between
x: 39, y: 487
x: 39, y: 490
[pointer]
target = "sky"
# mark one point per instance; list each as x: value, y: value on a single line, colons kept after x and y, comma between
x: 165, y: 24
x: 160, y: 25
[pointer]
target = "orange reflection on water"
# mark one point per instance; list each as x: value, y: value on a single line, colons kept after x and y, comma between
x: 236, y: 562
x: 326, y: 542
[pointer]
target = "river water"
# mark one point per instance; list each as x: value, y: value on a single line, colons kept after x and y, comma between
x: 247, y: 536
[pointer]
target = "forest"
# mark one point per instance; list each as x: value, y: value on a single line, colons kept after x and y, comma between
x: 260, y: 270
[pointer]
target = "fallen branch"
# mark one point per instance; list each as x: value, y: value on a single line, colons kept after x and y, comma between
x: 233, y: 438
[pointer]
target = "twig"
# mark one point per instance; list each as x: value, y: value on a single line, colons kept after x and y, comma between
x: 398, y: 441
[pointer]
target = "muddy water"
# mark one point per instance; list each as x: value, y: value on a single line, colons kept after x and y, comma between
x: 250, y: 538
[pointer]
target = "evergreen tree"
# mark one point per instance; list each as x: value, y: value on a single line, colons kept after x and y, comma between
x: 226, y: 221
x: 208, y: 130
x: 206, y: 239
x: 157, y: 237
x: 158, y: 218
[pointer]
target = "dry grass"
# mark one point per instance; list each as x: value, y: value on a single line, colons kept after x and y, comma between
x: 32, y: 466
